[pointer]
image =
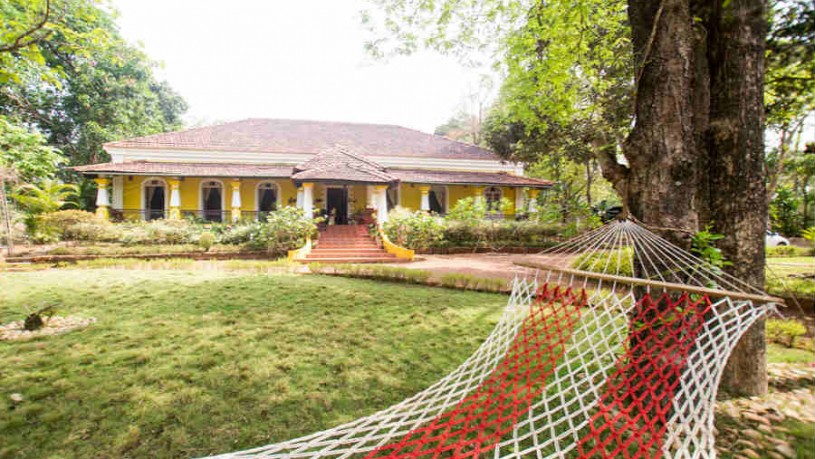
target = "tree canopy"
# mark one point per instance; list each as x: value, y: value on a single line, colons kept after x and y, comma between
x: 67, y: 73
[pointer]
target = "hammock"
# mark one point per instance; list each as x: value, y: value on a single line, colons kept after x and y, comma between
x: 614, y: 349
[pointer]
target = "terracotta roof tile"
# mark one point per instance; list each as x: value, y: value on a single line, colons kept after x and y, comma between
x: 339, y: 163
x: 188, y: 169
x: 300, y: 136
x: 467, y: 178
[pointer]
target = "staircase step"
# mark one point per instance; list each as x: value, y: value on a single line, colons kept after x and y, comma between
x: 354, y: 260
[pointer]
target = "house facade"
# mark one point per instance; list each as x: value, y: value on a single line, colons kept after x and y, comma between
x: 244, y: 169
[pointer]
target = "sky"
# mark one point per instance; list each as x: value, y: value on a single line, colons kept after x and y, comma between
x: 289, y: 59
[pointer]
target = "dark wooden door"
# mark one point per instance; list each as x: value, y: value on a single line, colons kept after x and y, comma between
x: 337, y: 204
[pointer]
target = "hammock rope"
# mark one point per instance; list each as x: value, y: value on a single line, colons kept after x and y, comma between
x: 584, y: 363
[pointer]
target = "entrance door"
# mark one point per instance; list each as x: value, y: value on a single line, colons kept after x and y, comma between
x: 337, y: 205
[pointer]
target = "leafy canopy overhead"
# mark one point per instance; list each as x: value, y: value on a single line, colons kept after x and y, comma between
x: 67, y: 73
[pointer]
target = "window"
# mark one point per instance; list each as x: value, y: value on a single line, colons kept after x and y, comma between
x: 266, y: 199
x: 212, y: 200
x: 438, y: 200
x: 155, y: 194
x: 492, y: 198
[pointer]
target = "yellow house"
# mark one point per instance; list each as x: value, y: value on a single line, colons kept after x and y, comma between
x: 243, y: 169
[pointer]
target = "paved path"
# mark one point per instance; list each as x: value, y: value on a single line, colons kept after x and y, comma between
x: 490, y: 265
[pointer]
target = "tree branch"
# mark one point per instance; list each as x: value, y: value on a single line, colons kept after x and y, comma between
x: 21, y: 42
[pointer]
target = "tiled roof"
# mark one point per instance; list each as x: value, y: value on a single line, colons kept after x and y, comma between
x: 338, y: 163
x: 299, y: 136
x: 466, y: 178
x: 189, y: 169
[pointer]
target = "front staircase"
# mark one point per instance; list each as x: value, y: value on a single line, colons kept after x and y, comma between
x: 348, y: 244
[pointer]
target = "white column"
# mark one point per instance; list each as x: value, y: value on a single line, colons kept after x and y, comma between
x: 381, y: 196
x: 308, y: 200
x: 102, y: 197
x: 118, y: 192
x: 425, y: 203
x: 533, y: 201
x: 299, y: 197
x: 236, y: 200
x: 370, y: 201
x: 175, y: 194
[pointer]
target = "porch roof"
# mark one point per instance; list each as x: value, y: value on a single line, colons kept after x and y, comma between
x: 188, y: 169
x: 467, y: 178
x: 340, y: 164
x: 337, y: 166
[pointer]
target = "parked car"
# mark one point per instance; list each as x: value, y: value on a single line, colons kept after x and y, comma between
x: 774, y: 239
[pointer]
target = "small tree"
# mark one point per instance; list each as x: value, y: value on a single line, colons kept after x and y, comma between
x: 49, y: 196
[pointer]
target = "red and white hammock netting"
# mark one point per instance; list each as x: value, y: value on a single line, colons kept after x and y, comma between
x: 580, y: 366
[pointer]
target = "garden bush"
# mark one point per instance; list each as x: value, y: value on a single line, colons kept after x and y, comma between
x: 284, y: 229
x: 785, y: 331
x: 785, y: 251
x: 617, y: 262
x: 58, y: 222
x: 206, y: 240
x: 414, y: 230
x: 98, y: 231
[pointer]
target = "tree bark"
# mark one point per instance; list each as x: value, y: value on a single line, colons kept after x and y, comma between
x: 737, y: 35
x: 662, y: 149
x: 696, y: 150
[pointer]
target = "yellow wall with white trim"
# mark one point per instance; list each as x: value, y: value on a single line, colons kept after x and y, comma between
x: 410, y: 196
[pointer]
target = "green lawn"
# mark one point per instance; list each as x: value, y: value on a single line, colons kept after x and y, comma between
x: 185, y: 363
x: 188, y: 363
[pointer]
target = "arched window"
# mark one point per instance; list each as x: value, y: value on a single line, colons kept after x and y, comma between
x: 212, y: 200
x: 492, y: 198
x: 267, y: 197
x: 393, y: 197
x: 155, y: 199
x: 438, y: 199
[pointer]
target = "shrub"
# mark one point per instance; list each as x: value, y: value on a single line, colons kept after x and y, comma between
x: 783, y: 251
x: 206, y: 240
x: 157, y: 232
x: 98, y: 231
x: 58, y: 222
x: 285, y: 229
x: 414, y: 230
x: 617, y: 262
x: 785, y: 331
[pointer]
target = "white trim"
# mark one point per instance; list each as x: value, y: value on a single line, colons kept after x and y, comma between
x: 201, y: 209
x: 278, y: 194
x: 142, y: 196
x: 120, y: 155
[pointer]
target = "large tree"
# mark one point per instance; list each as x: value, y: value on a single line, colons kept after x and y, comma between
x: 67, y: 73
x: 697, y: 135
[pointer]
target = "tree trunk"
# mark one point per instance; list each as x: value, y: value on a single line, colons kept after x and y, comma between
x: 737, y: 35
x: 696, y: 150
x: 662, y: 149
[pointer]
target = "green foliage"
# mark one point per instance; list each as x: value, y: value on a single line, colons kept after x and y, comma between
x: 784, y: 212
x: 285, y: 229
x: 61, y: 220
x: 375, y: 272
x: 618, y: 262
x: 809, y: 234
x: 26, y: 152
x: 206, y: 240
x: 415, y: 230
x: 703, y: 245
x: 785, y: 331
x: 35, y: 200
x: 470, y: 282
x: 786, y: 251
x: 76, y: 81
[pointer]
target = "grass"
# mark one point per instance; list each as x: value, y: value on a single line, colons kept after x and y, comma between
x: 779, y: 282
x: 189, y: 363
x: 777, y: 353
